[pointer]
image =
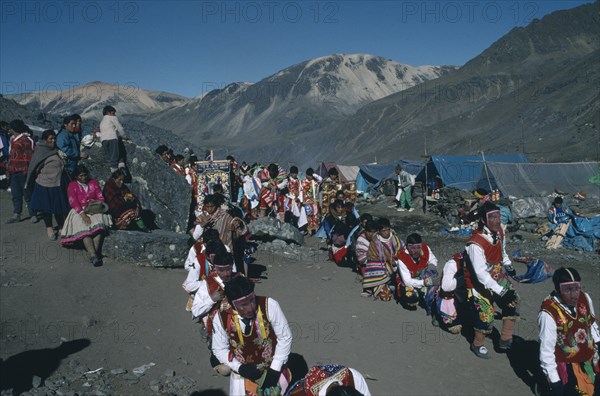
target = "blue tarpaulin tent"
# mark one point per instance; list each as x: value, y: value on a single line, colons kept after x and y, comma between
x: 371, y: 175
x: 463, y: 171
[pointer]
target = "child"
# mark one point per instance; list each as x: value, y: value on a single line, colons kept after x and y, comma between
x: 110, y: 132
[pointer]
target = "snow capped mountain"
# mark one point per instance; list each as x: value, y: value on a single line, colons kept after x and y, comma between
x: 89, y: 99
x: 305, y: 98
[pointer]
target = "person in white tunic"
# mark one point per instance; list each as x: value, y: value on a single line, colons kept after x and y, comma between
x: 569, y: 337
x: 252, y: 338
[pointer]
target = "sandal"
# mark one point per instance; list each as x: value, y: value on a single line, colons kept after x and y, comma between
x: 481, y: 352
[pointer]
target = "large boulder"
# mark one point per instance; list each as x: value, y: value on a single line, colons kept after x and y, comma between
x: 160, y: 189
x: 268, y: 229
x: 159, y: 248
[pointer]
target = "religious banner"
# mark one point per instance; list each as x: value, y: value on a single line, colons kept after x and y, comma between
x: 209, y: 174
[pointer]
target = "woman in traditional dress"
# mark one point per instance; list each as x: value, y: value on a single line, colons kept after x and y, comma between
x: 48, y: 176
x: 123, y: 205
x: 87, y: 221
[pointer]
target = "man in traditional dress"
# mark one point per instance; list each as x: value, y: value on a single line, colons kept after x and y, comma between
x: 199, y: 262
x: 417, y: 273
x: 273, y: 179
x: 210, y: 299
x: 487, y: 283
x: 310, y: 200
x: 213, y: 216
x: 330, y: 379
x: 178, y: 165
x: 294, y: 212
x: 253, y: 339
x: 569, y: 337
x: 329, y: 187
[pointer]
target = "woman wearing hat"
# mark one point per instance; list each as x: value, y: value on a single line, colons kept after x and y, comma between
x: 87, y: 221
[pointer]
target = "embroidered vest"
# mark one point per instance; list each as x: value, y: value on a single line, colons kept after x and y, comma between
x: 493, y: 257
x: 294, y: 186
x: 317, y: 376
x: 574, y: 342
x: 413, y: 267
x: 257, y: 347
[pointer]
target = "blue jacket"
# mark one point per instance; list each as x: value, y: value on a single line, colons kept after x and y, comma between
x: 68, y: 143
x: 559, y: 215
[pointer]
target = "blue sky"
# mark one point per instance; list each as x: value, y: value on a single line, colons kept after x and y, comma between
x: 189, y: 47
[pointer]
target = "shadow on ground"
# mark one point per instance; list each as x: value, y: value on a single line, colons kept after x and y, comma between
x: 17, y: 371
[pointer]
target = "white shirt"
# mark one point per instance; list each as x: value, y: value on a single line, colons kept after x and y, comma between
x: 405, y: 273
x: 110, y: 128
x: 548, y: 334
x: 202, y: 302
x: 220, y: 340
x: 480, y: 266
x: 448, y: 281
x: 192, y: 281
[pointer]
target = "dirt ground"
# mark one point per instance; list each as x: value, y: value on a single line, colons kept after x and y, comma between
x: 134, y: 315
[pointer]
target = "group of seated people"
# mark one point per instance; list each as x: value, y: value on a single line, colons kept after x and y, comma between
x: 95, y: 210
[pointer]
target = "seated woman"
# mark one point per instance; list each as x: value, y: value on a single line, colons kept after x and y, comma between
x: 87, y: 221
x: 123, y: 205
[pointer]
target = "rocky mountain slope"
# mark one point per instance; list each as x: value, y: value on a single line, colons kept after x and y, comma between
x: 89, y: 99
x: 534, y: 90
x: 282, y: 115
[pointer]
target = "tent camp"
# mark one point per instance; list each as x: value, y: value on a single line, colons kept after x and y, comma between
x: 539, y: 179
x: 463, y: 171
x: 371, y: 175
x: 347, y: 172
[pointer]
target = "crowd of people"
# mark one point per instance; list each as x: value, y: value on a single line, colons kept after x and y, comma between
x: 48, y: 177
x: 248, y: 335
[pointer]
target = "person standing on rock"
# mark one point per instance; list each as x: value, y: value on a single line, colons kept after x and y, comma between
x: 569, y: 337
x: 486, y: 282
x: 20, y: 154
x: 111, y: 135
x: 253, y: 339
x: 67, y: 141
